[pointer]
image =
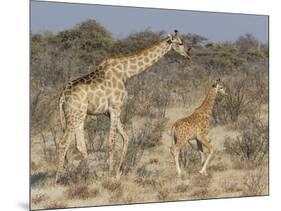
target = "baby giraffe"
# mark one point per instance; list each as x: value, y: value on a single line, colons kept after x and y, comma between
x: 196, y: 127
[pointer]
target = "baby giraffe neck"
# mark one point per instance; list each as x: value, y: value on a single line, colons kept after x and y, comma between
x: 209, y: 101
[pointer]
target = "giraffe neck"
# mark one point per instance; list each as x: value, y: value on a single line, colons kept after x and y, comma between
x: 209, y: 101
x: 140, y: 61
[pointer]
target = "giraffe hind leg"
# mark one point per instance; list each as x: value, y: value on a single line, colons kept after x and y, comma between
x: 112, y: 138
x: 125, y: 148
x: 63, y: 147
x: 200, y: 149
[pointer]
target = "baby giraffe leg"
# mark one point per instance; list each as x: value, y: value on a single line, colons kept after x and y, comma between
x: 203, y: 171
x: 200, y: 149
x: 175, y: 151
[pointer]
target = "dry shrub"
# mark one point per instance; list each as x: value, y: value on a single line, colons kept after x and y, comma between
x: 41, y: 179
x: 245, y: 165
x: 163, y: 194
x: 189, y: 158
x: 143, y: 139
x: 74, y: 175
x: 251, y: 145
x: 200, y: 193
x: 149, y: 169
x: 81, y: 192
x: 116, y: 196
x: 153, y: 161
x: 128, y: 199
x: 232, y: 106
x: 201, y: 181
x: 230, y: 185
x: 255, y: 183
x: 38, y: 198
x: 218, y: 167
x: 148, y: 182
x: 114, y: 188
x: 112, y: 185
x: 182, y: 188
x: 34, y: 166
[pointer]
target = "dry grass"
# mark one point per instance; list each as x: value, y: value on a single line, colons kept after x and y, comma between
x: 218, y: 167
x: 111, y: 185
x: 183, y: 188
x: 200, y: 193
x: 255, y: 184
x: 76, y: 174
x: 147, y: 182
x: 230, y: 185
x: 163, y: 194
x: 201, y: 181
x: 55, y: 205
x: 81, y: 192
x: 38, y: 198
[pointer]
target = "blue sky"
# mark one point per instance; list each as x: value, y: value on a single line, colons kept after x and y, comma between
x: 121, y: 21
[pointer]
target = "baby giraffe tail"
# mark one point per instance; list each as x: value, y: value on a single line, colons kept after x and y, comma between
x: 62, y: 120
x: 174, y: 139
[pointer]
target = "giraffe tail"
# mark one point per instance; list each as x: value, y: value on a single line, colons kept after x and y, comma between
x: 62, y: 119
x: 174, y: 140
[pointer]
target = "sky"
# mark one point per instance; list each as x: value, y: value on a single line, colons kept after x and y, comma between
x: 121, y: 21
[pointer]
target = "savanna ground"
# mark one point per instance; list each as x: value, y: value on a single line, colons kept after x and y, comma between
x: 169, y: 90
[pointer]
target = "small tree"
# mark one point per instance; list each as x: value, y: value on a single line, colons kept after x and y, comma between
x: 247, y: 42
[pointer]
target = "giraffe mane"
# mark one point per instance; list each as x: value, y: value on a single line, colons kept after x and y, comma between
x: 138, y: 52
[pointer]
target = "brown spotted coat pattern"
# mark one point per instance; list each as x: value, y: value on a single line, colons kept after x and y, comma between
x: 103, y: 92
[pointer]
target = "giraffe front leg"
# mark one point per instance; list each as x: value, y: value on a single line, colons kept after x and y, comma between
x: 200, y: 149
x: 203, y: 171
x: 125, y: 148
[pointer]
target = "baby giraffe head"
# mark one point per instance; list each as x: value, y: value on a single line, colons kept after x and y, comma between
x: 219, y: 87
x: 178, y: 45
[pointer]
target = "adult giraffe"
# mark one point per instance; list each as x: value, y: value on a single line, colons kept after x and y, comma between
x: 103, y: 92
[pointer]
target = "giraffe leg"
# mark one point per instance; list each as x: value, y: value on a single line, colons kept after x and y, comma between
x: 210, y: 151
x: 63, y: 147
x: 175, y: 150
x: 200, y: 149
x: 80, y: 141
x: 125, y: 148
x: 112, y: 137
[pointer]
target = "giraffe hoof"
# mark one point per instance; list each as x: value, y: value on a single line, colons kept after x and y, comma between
x: 204, y: 173
x: 57, y: 180
x: 118, y: 175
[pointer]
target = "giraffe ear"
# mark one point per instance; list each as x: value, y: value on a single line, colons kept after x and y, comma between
x: 169, y: 41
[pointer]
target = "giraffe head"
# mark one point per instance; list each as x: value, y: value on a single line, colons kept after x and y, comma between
x: 178, y: 45
x: 219, y: 87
